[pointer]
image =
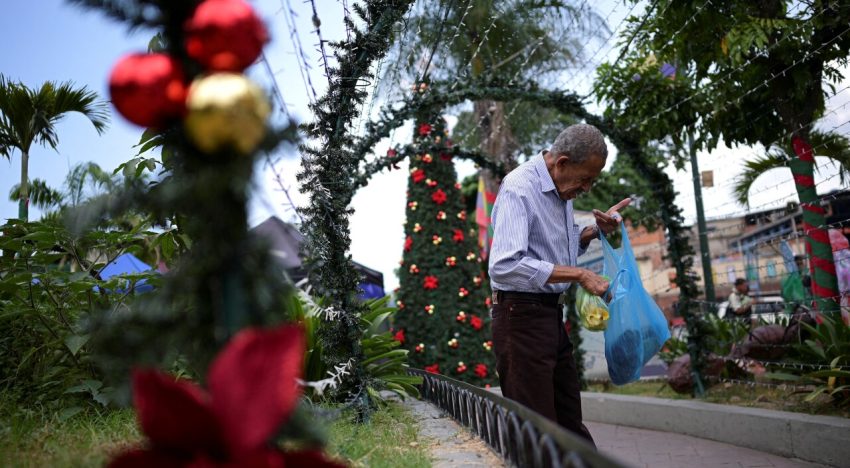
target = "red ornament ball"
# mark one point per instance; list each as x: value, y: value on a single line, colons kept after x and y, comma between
x: 148, y: 89
x: 225, y: 35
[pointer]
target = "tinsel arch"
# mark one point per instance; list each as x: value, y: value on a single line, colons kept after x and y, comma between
x: 439, y: 95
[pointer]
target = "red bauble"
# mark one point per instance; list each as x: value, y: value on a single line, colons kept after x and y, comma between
x: 481, y: 370
x: 476, y: 322
x: 225, y: 35
x: 391, y: 153
x: 148, y: 89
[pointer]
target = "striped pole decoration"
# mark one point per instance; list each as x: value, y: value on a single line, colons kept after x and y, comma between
x: 824, y: 281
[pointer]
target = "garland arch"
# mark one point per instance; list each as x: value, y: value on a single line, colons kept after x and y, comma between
x: 440, y: 95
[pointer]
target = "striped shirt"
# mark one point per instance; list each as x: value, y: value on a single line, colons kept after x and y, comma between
x: 533, y: 230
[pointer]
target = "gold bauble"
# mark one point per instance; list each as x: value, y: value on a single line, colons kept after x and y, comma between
x: 226, y: 111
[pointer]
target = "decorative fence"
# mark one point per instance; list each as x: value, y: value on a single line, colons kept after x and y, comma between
x: 518, y: 434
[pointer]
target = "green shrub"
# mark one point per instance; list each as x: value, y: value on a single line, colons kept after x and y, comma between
x: 385, y: 363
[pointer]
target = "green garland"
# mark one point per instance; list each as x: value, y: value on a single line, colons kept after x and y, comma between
x: 406, y: 152
x: 442, y: 95
x: 326, y: 218
x: 227, y: 280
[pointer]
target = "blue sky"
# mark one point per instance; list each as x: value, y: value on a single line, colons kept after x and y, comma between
x: 55, y: 41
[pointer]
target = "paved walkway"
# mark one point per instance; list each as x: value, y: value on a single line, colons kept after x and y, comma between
x: 453, y: 446
x: 645, y: 448
x: 450, y: 444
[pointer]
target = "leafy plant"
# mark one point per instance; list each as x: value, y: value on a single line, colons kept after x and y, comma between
x: 673, y: 348
x: 827, y: 344
x: 385, y: 364
x: 48, y: 289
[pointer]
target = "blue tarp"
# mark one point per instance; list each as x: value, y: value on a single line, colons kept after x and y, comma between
x: 127, y: 263
x: 371, y: 291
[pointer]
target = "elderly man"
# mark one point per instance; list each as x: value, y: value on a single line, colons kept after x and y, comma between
x: 532, y: 262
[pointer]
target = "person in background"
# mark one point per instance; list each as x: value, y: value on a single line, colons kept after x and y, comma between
x: 740, y: 302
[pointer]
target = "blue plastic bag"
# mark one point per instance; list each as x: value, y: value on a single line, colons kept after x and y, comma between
x: 637, y: 328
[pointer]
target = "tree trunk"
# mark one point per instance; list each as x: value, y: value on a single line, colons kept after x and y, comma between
x: 24, y: 203
x: 497, y: 140
x: 824, y: 282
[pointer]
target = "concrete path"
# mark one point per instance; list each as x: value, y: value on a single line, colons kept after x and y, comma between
x: 450, y: 444
x: 644, y: 448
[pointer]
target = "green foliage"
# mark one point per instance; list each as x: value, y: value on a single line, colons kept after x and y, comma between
x: 831, y: 145
x: 533, y: 128
x: 826, y: 344
x: 439, y: 245
x: 390, y: 439
x: 70, y: 438
x: 30, y: 115
x: 326, y: 225
x: 720, y: 334
x: 385, y: 364
x: 673, y: 348
x: 514, y: 38
x: 49, y: 289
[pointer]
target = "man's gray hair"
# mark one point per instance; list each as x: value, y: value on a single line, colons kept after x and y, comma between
x: 580, y: 142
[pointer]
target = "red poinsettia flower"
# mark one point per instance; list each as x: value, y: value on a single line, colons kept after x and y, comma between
x: 481, y: 370
x: 430, y: 282
x: 458, y: 235
x: 252, y: 390
x: 425, y: 129
x: 408, y: 244
x: 439, y: 197
x: 433, y: 368
x: 399, y: 336
x: 476, y: 322
x: 418, y: 175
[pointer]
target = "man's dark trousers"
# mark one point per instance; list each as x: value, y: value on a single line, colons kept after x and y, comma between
x: 534, y: 358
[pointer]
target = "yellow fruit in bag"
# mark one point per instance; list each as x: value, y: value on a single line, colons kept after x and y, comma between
x: 592, y: 310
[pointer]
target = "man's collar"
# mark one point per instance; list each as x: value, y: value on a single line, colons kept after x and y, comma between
x: 546, y: 183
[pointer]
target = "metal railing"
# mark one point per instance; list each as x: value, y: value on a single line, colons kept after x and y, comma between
x: 521, y: 436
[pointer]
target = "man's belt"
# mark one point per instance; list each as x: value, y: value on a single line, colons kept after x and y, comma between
x: 550, y: 299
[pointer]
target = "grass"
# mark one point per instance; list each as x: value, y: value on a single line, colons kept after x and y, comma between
x: 31, y: 438
x: 734, y: 394
x: 34, y: 438
x: 389, y: 439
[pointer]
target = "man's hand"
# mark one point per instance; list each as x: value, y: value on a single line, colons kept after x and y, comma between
x: 593, y: 283
x: 610, y: 220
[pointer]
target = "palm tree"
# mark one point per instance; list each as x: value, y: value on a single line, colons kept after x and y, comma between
x: 830, y: 145
x: 512, y: 39
x: 30, y: 116
x: 84, y: 182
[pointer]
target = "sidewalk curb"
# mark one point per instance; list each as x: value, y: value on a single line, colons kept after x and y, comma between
x: 819, y: 439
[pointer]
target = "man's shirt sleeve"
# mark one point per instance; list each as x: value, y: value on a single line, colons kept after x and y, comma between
x: 510, y: 265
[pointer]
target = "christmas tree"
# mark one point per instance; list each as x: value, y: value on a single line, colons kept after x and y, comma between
x: 443, y: 297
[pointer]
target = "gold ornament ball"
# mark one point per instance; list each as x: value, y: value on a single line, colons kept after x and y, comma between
x: 226, y: 111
